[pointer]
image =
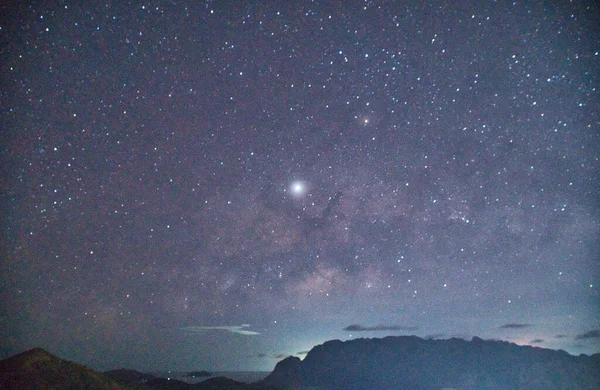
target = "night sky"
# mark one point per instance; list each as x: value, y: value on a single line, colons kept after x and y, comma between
x: 217, y: 185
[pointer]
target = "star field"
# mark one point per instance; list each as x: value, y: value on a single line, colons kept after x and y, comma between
x: 215, y: 185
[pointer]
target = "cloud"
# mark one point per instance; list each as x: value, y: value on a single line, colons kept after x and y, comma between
x: 592, y: 334
x: 536, y: 341
x: 302, y: 353
x: 515, y: 326
x: 233, y: 329
x: 361, y: 328
x: 560, y: 336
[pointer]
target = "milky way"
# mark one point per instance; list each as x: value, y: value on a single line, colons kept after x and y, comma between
x: 271, y: 176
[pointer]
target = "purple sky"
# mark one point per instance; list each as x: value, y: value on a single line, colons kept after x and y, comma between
x: 215, y: 185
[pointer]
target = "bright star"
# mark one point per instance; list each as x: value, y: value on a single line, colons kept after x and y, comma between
x: 298, y: 188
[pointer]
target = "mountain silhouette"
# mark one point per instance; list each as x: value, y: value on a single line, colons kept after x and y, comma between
x: 403, y: 362
x: 409, y: 362
x: 40, y: 370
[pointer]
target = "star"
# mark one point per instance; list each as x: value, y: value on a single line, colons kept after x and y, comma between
x: 298, y: 188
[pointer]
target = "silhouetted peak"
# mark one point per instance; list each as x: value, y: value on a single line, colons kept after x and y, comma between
x: 39, y: 369
x: 290, y: 362
x: 37, y: 353
x: 413, y: 362
x: 27, y: 359
x: 287, y: 373
x: 333, y: 343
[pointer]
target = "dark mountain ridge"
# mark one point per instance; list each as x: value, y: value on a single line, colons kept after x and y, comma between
x: 409, y: 362
x: 38, y: 369
x: 403, y: 362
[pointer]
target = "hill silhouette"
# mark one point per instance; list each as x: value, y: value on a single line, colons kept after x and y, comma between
x: 38, y: 369
x: 403, y: 362
x: 409, y: 362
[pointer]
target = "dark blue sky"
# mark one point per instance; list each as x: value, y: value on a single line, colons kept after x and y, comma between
x: 215, y: 185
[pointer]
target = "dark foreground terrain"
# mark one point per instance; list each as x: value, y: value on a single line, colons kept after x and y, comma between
x: 409, y: 362
x: 38, y: 369
x: 405, y: 362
